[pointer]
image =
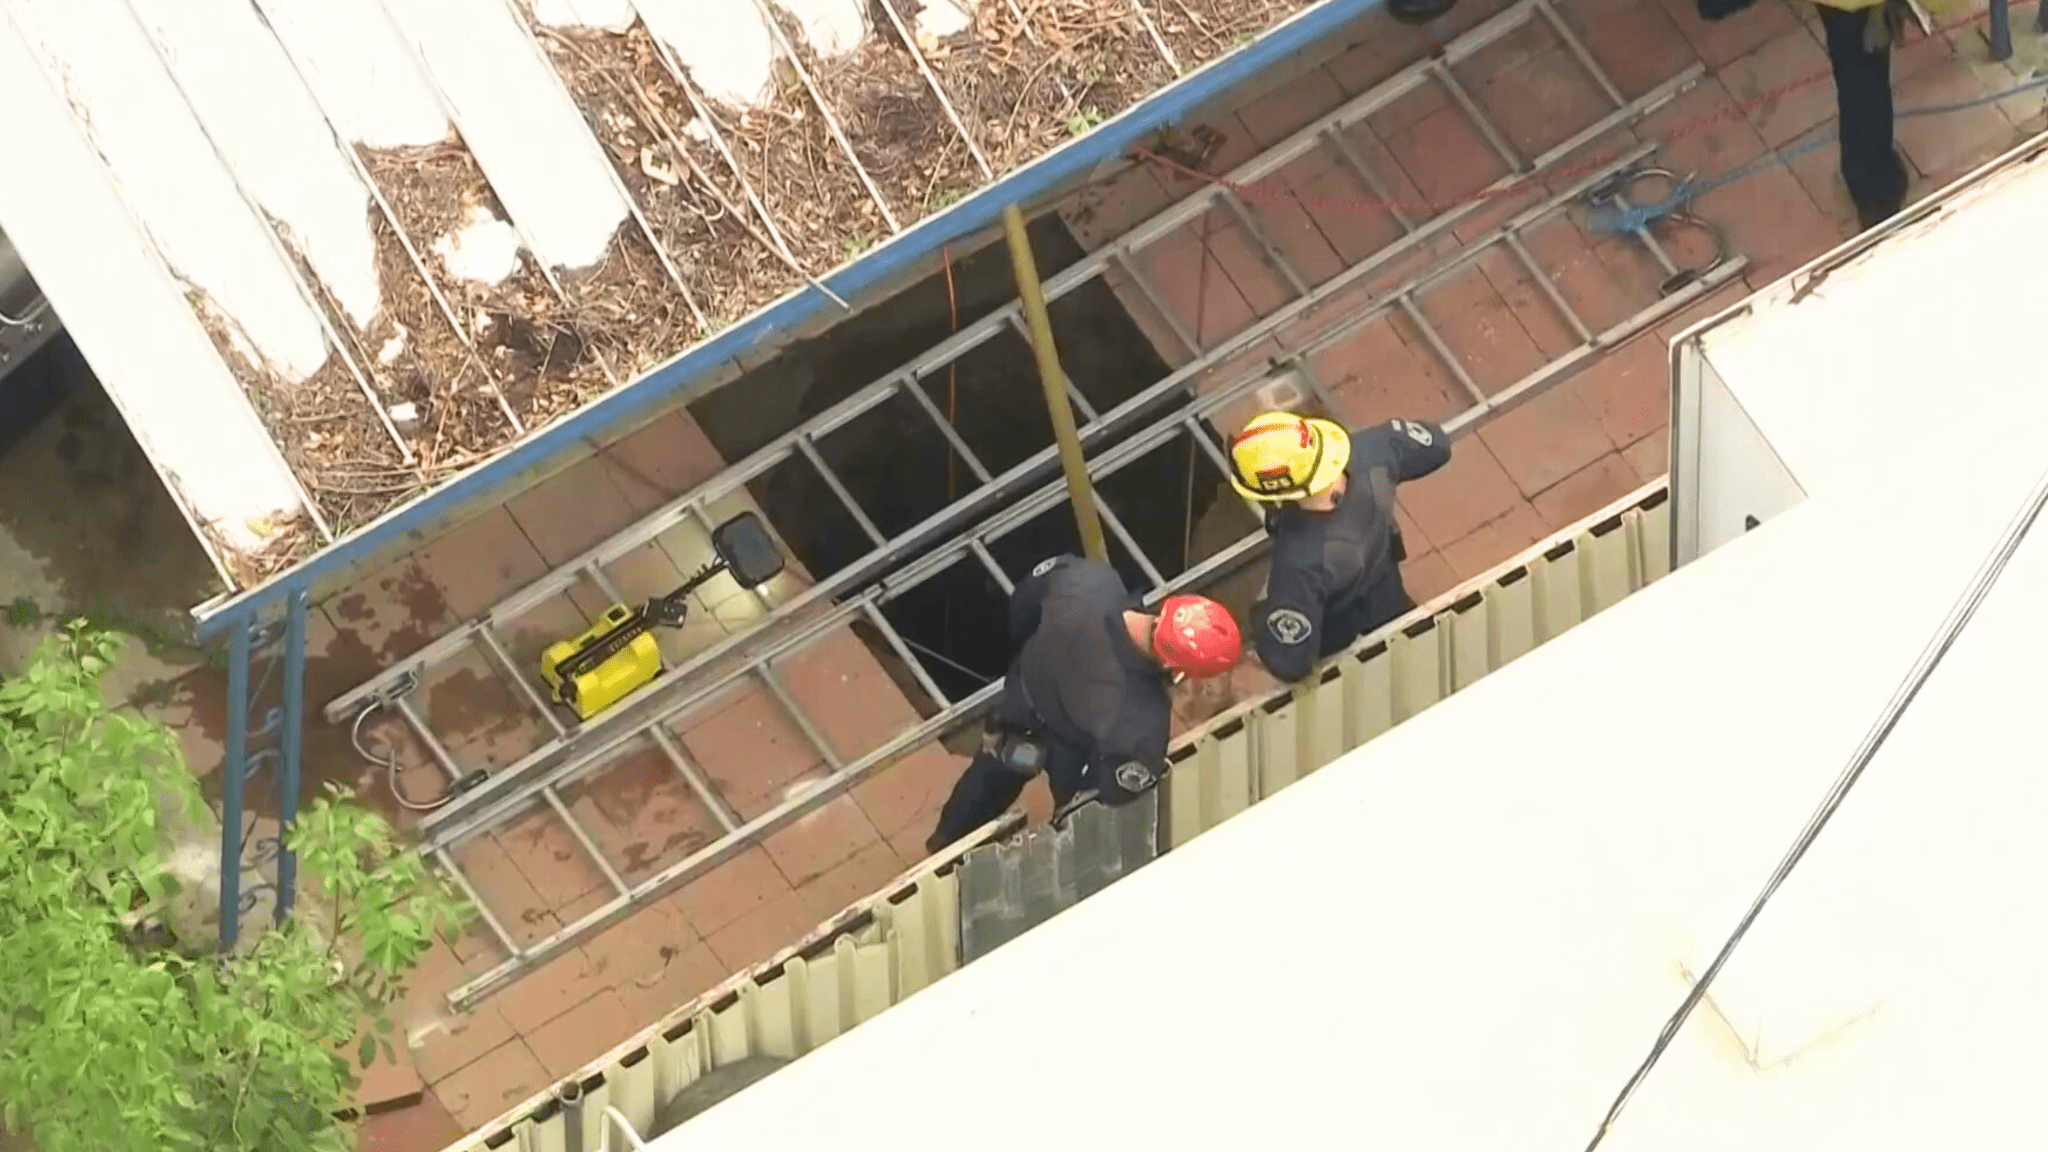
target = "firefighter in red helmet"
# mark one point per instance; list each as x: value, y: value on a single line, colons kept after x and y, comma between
x: 1086, y: 699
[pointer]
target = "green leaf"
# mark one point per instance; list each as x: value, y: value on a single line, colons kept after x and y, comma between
x: 366, y: 1052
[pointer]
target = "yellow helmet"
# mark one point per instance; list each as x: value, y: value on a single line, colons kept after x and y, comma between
x: 1280, y: 456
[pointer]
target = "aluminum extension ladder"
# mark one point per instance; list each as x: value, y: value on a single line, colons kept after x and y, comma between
x: 859, y: 590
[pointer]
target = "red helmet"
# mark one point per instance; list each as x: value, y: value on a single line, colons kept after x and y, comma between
x: 1197, y: 636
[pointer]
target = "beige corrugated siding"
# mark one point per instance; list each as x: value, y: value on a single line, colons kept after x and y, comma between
x: 905, y: 939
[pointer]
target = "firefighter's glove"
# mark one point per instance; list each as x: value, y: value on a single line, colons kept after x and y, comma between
x: 1887, y: 25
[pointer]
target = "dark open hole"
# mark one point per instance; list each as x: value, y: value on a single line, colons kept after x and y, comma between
x: 900, y: 469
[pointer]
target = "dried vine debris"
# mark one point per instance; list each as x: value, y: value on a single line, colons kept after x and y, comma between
x: 895, y: 123
x: 1199, y: 31
x: 641, y: 118
x: 1028, y: 78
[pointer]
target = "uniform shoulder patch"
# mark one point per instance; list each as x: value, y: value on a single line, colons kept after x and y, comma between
x: 1045, y: 566
x: 1134, y: 777
x: 1414, y: 431
x: 1288, y: 625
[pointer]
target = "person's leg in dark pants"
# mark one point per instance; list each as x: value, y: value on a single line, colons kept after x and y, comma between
x: 1863, y: 96
x: 985, y: 791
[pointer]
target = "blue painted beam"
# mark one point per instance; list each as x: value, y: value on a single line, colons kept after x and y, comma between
x: 643, y: 398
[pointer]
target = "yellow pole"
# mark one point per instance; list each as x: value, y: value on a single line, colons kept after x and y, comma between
x: 1081, y: 494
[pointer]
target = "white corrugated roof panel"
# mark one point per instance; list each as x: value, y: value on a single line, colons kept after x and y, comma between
x: 1468, y: 933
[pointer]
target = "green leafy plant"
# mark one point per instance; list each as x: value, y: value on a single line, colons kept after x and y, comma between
x: 118, y: 1039
x: 1084, y: 121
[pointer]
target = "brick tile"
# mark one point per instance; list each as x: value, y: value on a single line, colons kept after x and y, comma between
x: 1264, y: 287
x: 1638, y: 45
x: 1703, y: 130
x: 763, y: 932
x: 579, y: 1036
x: 1547, y: 438
x: 1427, y: 576
x: 547, y: 854
x: 851, y: 881
x: 443, y: 1047
x: 1376, y: 376
x: 1445, y: 157
x: 384, y: 1081
x: 728, y: 892
x: 1491, y: 345
x: 813, y: 843
x: 469, y: 705
x: 1971, y: 49
x: 1650, y: 457
x: 542, y: 993
x: 641, y: 812
x: 638, y: 946
x: 843, y: 689
x: 1542, y: 99
x: 570, y: 512
x: 493, y: 1085
x: 1194, y: 286
x: 1784, y: 87
x: 1721, y: 41
x: 1587, y: 491
x: 392, y: 612
x: 661, y: 461
x: 1294, y: 232
x: 1460, y: 496
x: 1527, y: 302
x: 1494, y: 542
x: 1628, y: 390
x: 1637, y: 277
x: 503, y: 887
x: 1770, y: 218
x: 1408, y: 109
x: 682, y: 978
x: 749, y: 751
x: 1101, y: 212
x: 426, y: 1124
x: 906, y: 795
x: 1820, y: 172
x: 481, y: 562
x: 1719, y: 300
x: 1379, y: 47
x: 1278, y: 114
x: 1151, y: 321
x: 1945, y: 147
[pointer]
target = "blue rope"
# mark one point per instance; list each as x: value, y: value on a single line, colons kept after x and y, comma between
x: 1610, y: 219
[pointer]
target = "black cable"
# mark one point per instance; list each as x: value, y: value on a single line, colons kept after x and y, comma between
x: 1959, y: 617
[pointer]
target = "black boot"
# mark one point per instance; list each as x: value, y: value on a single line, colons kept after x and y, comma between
x: 1419, y: 11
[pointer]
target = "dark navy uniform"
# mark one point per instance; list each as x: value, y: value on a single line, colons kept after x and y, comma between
x: 1336, y: 575
x: 1080, y: 702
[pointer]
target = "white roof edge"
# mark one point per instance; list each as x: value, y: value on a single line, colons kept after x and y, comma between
x: 1468, y: 933
x: 129, y: 316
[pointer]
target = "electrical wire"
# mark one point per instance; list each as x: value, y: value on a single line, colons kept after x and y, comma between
x: 1961, y: 612
x: 389, y: 760
x: 942, y: 658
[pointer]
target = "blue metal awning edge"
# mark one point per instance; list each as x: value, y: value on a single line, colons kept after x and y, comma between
x: 983, y: 209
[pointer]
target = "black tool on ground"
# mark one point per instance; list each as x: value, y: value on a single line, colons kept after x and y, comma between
x: 605, y: 664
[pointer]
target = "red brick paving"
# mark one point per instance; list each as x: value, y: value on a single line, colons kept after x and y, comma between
x: 1591, y: 438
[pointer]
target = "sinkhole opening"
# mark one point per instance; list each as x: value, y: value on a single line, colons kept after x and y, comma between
x: 901, y: 469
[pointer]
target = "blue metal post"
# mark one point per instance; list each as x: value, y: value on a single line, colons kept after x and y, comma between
x: 2001, y: 30
x: 236, y: 769
x: 294, y: 718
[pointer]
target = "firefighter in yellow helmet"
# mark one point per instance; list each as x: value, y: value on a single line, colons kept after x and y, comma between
x: 1337, y: 551
x: 1860, y: 35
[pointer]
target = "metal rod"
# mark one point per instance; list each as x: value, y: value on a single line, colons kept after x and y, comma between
x: 1578, y: 50
x: 289, y: 775
x: 1142, y: 280
x: 1341, y: 144
x: 1051, y: 377
x: 803, y: 76
x: 604, y: 866
x: 1479, y: 120
x: 610, y: 167
x: 390, y: 216
x: 832, y: 481
x: 720, y: 810
x: 925, y: 69
x: 527, y: 691
x: 1271, y: 251
x: 234, y: 766
x: 426, y: 736
x: 817, y: 740
x: 1123, y: 535
x: 895, y: 641
x: 1543, y: 281
x: 476, y: 901
x: 995, y: 570
x: 596, y: 575
x: 967, y: 455
x: 1442, y: 350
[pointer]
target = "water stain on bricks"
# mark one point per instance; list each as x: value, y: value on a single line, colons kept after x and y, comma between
x: 466, y: 702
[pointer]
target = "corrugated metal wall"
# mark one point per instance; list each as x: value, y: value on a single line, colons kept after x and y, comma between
x: 953, y: 906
